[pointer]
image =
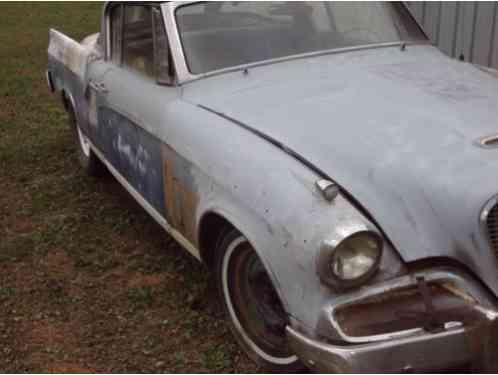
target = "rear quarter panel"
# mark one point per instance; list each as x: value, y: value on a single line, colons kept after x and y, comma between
x: 67, y: 65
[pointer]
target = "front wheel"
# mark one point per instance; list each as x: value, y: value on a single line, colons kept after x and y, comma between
x: 257, y: 318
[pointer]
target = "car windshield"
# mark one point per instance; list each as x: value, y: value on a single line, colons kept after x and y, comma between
x: 217, y: 35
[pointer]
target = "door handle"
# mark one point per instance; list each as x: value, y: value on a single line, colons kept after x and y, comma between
x: 98, y: 87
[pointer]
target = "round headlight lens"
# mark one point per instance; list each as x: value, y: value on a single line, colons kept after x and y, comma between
x: 356, y: 257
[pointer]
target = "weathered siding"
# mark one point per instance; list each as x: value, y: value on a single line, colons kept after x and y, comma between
x: 468, y: 29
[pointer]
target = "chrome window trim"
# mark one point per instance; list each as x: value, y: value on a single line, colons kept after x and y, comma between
x: 107, y: 28
x: 181, y: 69
x: 184, y: 75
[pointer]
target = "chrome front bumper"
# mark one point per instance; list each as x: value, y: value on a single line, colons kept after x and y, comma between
x: 428, y: 352
x: 472, y: 342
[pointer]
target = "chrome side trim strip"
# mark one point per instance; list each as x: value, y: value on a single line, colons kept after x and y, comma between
x: 147, y: 207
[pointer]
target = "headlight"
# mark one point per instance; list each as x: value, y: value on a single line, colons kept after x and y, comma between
x: 356, y: 256
x: 352, y: 260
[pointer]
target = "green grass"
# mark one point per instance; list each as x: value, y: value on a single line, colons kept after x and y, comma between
x: 88, y: 282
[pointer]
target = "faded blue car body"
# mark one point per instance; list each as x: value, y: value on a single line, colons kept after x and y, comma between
x: 398, y: 131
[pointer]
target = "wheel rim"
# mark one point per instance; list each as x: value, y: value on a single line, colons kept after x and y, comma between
x: 84, y: 143
x: 253, y: 304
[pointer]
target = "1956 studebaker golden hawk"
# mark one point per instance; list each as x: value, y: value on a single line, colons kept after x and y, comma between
x: 335, y: 171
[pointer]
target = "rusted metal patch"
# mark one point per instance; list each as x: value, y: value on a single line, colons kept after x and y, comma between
x: 180, y: 200
x: 406, y: 309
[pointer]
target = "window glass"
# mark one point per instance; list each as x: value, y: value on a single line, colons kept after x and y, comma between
x: 116, y: 33
x: 364, y: 24
x: 137, y: 39
x: 218, y: 35
x: 161, y: 49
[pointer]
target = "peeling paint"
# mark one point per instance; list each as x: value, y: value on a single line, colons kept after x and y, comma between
x: 223, y: 145
x: 69, y: 52
x: 408, y: 136
x: 181, y: 201
x: 125, y: 149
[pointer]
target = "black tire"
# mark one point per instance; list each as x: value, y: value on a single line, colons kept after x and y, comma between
x: 90, y: 163
x: 254, y: 310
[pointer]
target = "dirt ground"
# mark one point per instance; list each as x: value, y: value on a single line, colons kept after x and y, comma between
x: 88, y: 282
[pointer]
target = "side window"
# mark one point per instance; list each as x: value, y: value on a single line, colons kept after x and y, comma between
x: 116, y: 33
x: 162, y: 63
x: 138, y: 39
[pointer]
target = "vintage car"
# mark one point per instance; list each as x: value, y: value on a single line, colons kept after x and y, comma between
x: 334, y: 170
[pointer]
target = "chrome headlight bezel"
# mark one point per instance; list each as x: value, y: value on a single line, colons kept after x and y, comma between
x: 330, y: 249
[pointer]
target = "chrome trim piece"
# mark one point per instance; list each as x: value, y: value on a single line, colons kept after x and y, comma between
x: 425, y: 352
x: 147, y: 207
x: 168, y: 10
x: 193, y: 77
x: 490, y: 141
x: 483, y: 218
x: 98, y: 87
x: 487, y: 208
x: 410, y: 351
x: 328, y: 189
x: 184, y: 75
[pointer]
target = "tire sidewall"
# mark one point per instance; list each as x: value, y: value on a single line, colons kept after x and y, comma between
x: 90, y: 163
x: 221, y: 254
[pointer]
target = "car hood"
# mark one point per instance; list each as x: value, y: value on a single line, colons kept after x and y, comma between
x: 396, y: 129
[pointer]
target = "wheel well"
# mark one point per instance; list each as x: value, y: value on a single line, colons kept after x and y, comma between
x: 212, y: 227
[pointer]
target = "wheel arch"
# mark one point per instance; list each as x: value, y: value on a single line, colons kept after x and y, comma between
x: 70, y: 105
x: 214, y: 223
x: 212, y: 226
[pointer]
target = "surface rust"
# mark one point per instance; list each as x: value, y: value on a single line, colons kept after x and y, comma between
x: 181, y: 202
x: 402, y: 310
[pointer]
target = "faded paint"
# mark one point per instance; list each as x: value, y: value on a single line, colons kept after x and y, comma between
x: 70, y: 53
x: 133, y: 152
x: 181, y: 200
x: 415, y: 164
x: 406, y: 155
